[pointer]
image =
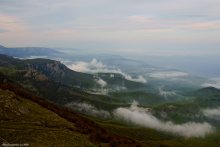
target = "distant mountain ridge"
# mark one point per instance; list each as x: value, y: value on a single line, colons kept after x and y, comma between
x: 24, y: 52
x: 209, y: 92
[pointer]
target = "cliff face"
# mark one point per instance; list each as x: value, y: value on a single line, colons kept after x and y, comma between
x: 46, y: 70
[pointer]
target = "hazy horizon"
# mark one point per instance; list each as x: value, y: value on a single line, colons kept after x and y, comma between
x: 173, y: 33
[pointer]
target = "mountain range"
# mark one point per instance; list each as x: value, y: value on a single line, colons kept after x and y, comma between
x: 46, y: 103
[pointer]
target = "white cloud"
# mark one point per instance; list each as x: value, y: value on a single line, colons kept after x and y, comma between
x: 165, y: 93
x: 212, y: 113
x: 101, y: 82
x: 139, y: 79
x: 98, y: 67
x: 214, y: 82
x: 92, y: 67
x: 168, y: 74
x: 102, y: 91
x: 89, y: 109
x: 143, y: 117
x: 215, y: 85
x: 105, y: 91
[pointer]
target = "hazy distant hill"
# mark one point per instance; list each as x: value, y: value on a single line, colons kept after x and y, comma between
x: 24, y: 52
x: 208, y: 96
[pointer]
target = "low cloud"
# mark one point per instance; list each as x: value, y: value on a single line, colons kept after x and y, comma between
x: 212, y: 113
x: 89, y: 67
x: 165, y: 93
x: 89, y: 109
x: 141, y: 116
x: 102, y: 91
x: 214, y: 82
x: 101, y: 82
x: 168, y: 74
x: 139, y: 79
x: 98, y: 67
x: 33, y: 57
x: 106, y: 90
x: 215, y: 85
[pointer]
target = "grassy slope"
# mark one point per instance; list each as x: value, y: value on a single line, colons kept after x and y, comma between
x: 23, y: 121
x: 140, y: 96
x: 153, y: 137
x: 96, y: 133
x: 64, y: 93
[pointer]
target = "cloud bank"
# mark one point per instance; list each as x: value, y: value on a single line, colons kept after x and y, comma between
x: 89, y: 109
x: 98, y: 67
x: 142, y: 117
x: 168, y: 74
x: 101, y: 82
x: 212, y: 113
x: 215, y: 85
x: 165, y: 93
x: 215, y: 82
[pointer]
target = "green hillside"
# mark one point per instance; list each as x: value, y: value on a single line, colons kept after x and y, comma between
x: 54, y: 81
x: 34, y: 120
x: 37, y: 91
x: 23, y: 121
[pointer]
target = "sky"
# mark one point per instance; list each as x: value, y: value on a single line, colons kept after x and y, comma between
x: 137, y: 27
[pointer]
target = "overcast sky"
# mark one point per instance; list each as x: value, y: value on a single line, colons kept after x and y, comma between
x: 161, y: 27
